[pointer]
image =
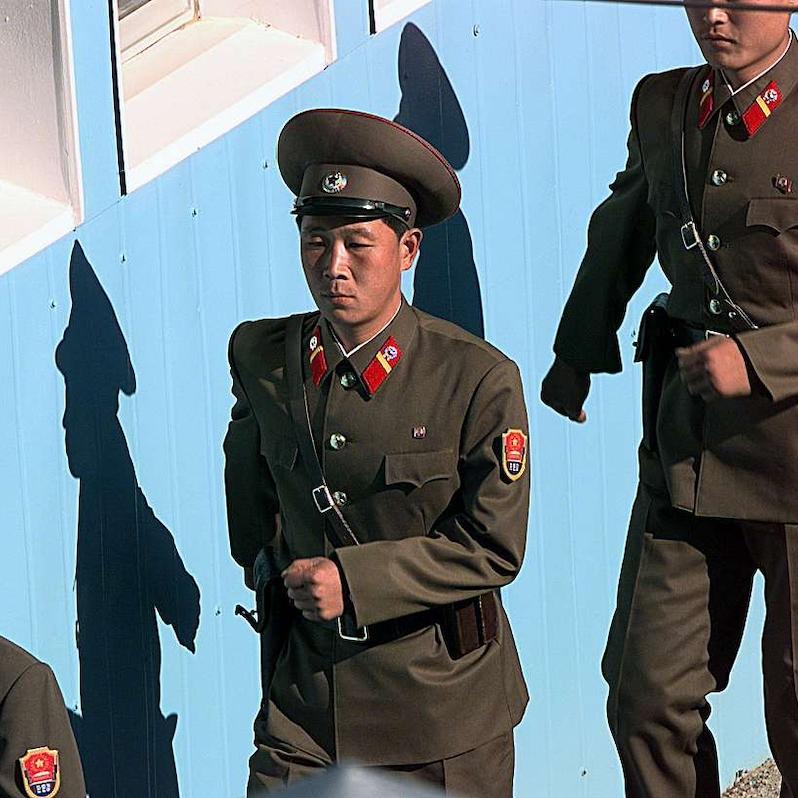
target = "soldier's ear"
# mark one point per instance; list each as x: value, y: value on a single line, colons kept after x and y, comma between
x: 409, y: 244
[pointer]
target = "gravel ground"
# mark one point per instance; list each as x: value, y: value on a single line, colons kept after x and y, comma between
x: 761, y: 782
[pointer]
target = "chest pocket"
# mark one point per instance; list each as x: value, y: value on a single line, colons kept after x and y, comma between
x: 418, y: 468
x: 776, y: 213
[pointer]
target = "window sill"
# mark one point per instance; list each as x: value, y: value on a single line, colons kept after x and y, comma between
x: 201, y: 81
x: 30, y: 222
x: 389, y: 12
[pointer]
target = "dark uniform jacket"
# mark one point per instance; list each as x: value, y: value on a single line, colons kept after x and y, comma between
x: 419, y: 475
x: 32, y: 716
x: 734, y: 458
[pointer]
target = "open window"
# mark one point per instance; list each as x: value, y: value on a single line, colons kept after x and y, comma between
x: 384, y: 13
x: 40, y: 193
x: 190, y: 70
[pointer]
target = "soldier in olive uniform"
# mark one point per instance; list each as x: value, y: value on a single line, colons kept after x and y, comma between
x: 38, y: 755
x: 712, y: 192
x: 408, y: 433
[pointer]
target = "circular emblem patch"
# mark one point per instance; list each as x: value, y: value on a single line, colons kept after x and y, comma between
x: 334, y: 183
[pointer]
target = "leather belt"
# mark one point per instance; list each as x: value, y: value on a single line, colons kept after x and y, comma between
x: 392, y: 629
x: 686, y: 334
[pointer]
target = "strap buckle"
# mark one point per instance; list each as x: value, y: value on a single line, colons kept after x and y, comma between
x: 361, y: 635
x: 322, y: 498
x: 714, y: 334
x: 689, y: 235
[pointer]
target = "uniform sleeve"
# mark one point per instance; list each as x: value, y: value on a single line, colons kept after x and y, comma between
x: 479, y: 547
x: 249, y: 487
x: 620, y: 248
x: 33, y: 715
x: 773, y: 355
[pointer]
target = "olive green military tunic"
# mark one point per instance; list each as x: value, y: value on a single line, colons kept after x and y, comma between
x: 33, y: 717
x: 717, y: 502
x: 736, y: 458
x: 416, y: 464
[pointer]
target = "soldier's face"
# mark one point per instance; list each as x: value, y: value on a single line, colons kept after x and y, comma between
x: 354, y: 268
x: 742, y: 43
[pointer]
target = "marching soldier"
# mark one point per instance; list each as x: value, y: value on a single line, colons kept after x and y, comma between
x: 377, y: 486
x: 709, y: 187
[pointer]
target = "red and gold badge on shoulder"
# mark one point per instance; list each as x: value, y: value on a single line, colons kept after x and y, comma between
x: 41, y: 774
x: 514, y: 452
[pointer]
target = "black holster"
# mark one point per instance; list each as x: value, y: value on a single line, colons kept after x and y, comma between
x: 470, y: 624
x: 271, y: 618
x: 654, y: 348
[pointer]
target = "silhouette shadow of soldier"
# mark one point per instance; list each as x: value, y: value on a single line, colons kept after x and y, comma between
x: 446, y: 282
x: 128, y: 567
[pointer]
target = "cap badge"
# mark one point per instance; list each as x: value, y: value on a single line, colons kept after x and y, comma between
x: 514, y: 452
x: 334, y: 183
x: 41, y: 774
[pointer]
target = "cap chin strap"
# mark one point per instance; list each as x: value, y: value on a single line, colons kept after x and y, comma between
x: 351, y: 207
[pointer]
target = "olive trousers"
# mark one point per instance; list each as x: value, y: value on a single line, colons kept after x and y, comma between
x: 683, y: 597
x: 484, y: 772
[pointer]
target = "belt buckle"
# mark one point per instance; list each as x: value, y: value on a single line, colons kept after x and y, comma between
x: 689, y: 235
x: 322, y: 498
x: 713, y: 333
x: 362, y: 638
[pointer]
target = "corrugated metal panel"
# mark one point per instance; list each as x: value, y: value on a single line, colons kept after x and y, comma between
x: 530, y: 101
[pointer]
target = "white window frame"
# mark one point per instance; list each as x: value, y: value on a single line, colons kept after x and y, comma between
x: 385, y: 13
x: 146, y: 25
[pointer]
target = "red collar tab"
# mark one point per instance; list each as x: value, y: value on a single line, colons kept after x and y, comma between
x: 318, y: 363
x: 762, y: 107
x: 381, y: 366
x: 706, y: 105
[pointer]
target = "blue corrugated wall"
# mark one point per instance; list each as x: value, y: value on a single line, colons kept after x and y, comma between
x: 529, y: 99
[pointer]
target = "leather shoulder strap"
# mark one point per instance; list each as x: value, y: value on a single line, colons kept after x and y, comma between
x: 338, y: 531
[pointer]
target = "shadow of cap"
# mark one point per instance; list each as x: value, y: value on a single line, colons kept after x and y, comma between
x: 429, y: 105
x: 93, y: 344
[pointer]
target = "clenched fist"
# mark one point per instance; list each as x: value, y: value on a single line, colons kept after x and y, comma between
x: 565, y: 389
x: 314, y: 587
x: 714, y: 369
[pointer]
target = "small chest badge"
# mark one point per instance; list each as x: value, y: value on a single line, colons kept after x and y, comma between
x: 41, y: 775
x: 782, y: 184
x: 334, y: 183
x: 514, y: 451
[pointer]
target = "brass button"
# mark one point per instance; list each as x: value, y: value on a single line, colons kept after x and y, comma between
x: 719, y: 177
x: 337, y: 441
x: 715, y: 307
x: 713, y: 242
x: 732, y: 118
x: 348, y: 379
x: 340, y: 498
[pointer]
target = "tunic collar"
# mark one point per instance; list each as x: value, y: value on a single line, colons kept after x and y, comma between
x: 370, y: 362
x: 783, y: 72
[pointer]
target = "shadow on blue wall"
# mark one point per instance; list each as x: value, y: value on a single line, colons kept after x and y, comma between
x: 446, y: 283
x: 127, y: 564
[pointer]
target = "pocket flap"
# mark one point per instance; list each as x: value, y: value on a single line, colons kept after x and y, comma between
x: 417, y: 468
x: 777, y: 213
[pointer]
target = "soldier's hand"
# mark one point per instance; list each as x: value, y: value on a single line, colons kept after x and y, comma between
x: 314, y: 586
x: 565, y: 389
x: 714, y: 369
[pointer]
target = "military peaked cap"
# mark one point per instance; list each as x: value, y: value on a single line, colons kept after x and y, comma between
x: 349, y: 163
